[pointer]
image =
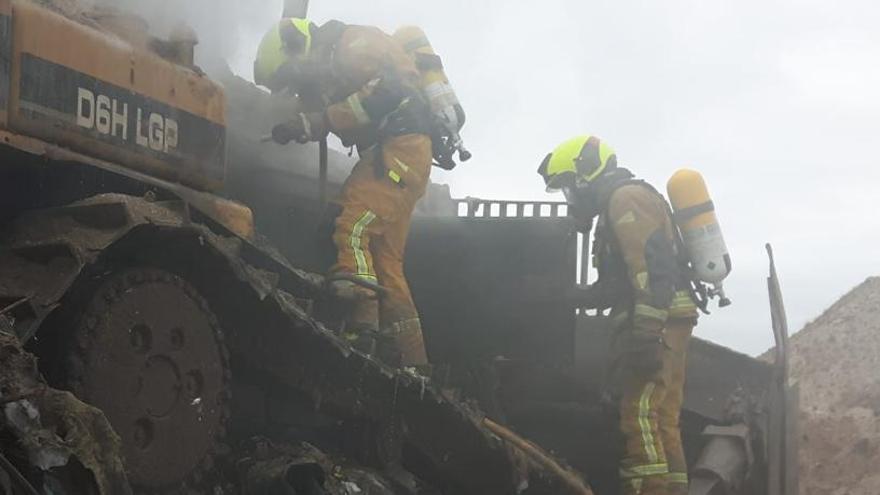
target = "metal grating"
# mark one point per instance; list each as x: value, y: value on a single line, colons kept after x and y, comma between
x: 480, y: 208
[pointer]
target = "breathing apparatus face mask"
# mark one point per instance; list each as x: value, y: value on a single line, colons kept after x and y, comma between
x: 582, y: 200
x: 579, y: 194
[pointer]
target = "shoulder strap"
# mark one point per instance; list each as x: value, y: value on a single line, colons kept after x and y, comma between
x: 696, y: 288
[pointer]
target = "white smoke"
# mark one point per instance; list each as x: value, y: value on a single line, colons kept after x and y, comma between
x: 226, y: 29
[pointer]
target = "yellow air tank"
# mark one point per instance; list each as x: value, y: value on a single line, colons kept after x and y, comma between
x: 434, y: 82
x: 703, y: 240
x: 445, y: 107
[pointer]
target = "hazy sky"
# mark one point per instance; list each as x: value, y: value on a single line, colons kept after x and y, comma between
x: 777, y: 102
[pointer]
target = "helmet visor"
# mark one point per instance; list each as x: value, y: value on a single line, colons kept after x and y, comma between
x: 560, y: 182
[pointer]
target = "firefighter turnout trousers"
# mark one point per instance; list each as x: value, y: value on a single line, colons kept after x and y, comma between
x: 650, y: 409
x: 370, y: 235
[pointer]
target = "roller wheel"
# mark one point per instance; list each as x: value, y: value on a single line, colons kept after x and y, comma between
x: 149, y: 352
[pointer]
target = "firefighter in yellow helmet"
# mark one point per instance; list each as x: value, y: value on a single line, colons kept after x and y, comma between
x: 642, y: 281
x: 358, y: 83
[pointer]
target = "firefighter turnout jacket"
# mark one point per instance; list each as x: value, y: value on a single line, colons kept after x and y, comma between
x: 636, y: 248
x: 370, y: 87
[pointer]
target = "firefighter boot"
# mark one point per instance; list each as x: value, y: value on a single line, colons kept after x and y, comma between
x: 362, y: 339
x: 410, y: 342
x: 350, y: 291
x: 362, y: 315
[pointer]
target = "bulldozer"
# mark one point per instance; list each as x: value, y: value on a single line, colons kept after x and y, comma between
x: 151, y: 297
x: 164, y: 269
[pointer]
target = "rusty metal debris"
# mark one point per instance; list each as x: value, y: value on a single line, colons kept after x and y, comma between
x: 15, y: 477
x: 300, y: 468
x: 572, y: 480
x: 49, y: 433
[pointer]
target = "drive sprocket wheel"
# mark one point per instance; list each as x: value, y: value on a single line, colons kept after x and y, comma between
x: 149, y: 352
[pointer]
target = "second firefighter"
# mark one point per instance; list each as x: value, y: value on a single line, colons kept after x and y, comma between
x: 642, y: 281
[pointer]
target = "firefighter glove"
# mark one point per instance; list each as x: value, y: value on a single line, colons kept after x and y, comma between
x: 643, y: 350
x: 306, y: 127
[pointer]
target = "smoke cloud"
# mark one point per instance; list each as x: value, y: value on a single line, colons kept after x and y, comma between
x: 226, y: 29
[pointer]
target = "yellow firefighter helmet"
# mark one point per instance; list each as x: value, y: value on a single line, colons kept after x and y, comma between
x: 289, y: 38
x: 579, y: 160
